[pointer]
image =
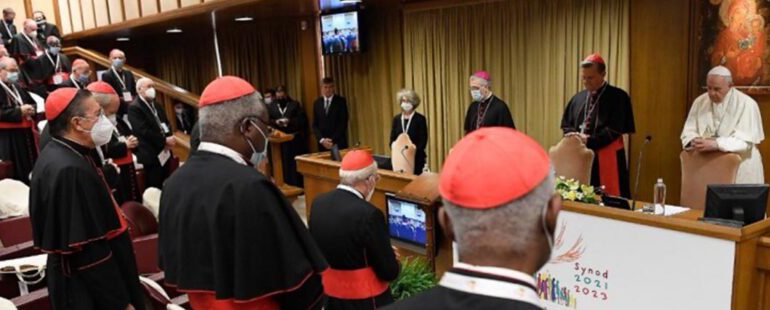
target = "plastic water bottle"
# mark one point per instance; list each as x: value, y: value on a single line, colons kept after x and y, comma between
x: 660, y: 196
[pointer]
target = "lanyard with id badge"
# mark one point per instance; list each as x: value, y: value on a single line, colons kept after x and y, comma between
x: 127, y: 97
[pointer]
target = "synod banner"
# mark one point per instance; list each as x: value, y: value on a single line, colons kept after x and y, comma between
x: 600, y: 263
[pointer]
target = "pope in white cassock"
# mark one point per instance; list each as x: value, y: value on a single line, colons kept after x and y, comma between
x: 726, y: 120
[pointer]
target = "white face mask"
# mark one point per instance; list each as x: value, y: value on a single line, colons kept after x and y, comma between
x: 407, y: 107
x: 268, y: 100
x: 476, y: 95
x: 150, y: 93
x: 257, y: 157
x: 101, y: 133
x: 33, y: 34
x: 113, y: 119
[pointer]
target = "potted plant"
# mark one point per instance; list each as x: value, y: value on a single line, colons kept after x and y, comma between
x: 416, y: 276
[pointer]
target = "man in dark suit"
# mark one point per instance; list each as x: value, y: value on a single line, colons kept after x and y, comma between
x: 25, y: 44
x: 7, y: 28
x: 80, y: 76
x: 151, y: 127
x: 330, y: 121
x: 44, y: 28
x: 184, y: 118
x: 121, y: 79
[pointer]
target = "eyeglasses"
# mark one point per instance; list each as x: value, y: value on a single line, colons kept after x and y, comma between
x: 97, y: 116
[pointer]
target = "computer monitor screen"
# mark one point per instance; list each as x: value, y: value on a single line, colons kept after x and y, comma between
x: 406, y: 221
x: 740, y: 202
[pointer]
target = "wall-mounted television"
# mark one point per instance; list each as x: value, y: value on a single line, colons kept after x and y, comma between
x: 340, y: 33
x: 406, y: 221
x: 326, y: 5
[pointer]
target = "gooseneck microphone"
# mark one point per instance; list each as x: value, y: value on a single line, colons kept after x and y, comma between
x: 647, y: 140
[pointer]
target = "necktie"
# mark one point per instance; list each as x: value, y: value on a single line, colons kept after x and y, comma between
x: 327, y: 103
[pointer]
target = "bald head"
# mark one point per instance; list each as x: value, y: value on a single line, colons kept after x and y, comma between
x: 53, y: 41
x: 30, y: 28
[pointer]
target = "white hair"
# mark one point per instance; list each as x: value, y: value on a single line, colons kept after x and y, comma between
x: 483, y: 82
x: 353, y: 177
x: 218, y: 121
x: 410, y: 95
x: 141, y: 82
x: 509, y: 227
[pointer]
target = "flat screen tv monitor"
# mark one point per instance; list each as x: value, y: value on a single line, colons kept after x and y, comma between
x: 738, y: 202
x: 340, y: 33
x: 326, y: 5
x: 406, y: 221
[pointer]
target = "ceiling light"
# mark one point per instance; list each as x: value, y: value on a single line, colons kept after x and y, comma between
x: 174, y: 30
x: 123, y: 39
x: 350, y: 1
x: 244, y: 19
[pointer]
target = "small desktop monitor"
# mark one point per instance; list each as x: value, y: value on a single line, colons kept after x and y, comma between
x: 340, y: 33
x: 744, y: 203
x: 406, y: 221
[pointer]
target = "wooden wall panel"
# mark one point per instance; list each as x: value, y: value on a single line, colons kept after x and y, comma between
x: 47, y: 7
x: 149, y: 7
x: 131, y: 8
x: 89, y: 19
x: 75, y: 14
x: 102, y: 13
x: 190, y: 2
x: 659, y: 44
x: 116, y: 11
x: 168, y: 5
x: 64, y: 13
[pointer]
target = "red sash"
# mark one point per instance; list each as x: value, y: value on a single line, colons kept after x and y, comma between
x: 25, y: 123
x: 608, y: 167
x: 208, y: 301
x: 352, y: 284
x: 125, y: 160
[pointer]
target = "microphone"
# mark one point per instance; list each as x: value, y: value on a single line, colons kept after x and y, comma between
x: 647, y: 140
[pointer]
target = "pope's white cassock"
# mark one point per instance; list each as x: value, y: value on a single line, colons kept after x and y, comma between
x: 737, y: 126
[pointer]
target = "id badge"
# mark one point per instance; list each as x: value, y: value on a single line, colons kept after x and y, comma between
x: 122, y: 139
x: 127, y: 96
x: 165, y: 128
x: 39, y: 53
x: 57, y: 79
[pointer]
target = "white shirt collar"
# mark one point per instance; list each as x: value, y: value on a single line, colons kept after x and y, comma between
x: 222, y: 150
x: 498, y: 271
x: 350, y: 189
x: 329, y: 98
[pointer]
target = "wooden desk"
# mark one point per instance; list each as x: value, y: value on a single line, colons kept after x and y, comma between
x: 750, y: 252
x: 321, y: 175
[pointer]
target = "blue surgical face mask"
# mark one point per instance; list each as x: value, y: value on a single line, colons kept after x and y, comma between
x: 257, y: 157
x: 13, y: 77
x: 54, y: 50
x: 476, y: 95
x: 117, y: 63
x: 83, y: 79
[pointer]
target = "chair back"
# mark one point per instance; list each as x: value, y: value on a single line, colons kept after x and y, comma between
x: 572, y: 159
x: 701, y: 169
x: 141, y: 221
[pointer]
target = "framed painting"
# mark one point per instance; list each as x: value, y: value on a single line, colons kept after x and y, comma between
x: 734, y: 34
